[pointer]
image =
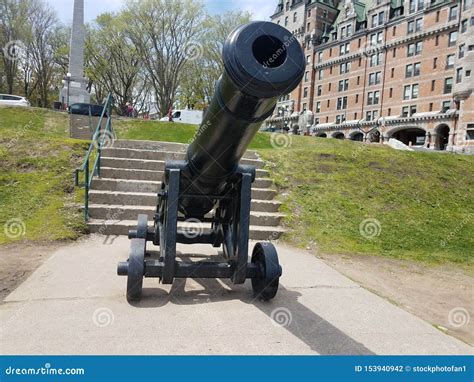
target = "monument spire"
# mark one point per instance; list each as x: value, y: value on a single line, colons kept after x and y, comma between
x: 75, y: 84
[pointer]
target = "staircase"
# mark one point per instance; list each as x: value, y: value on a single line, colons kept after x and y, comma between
x: 131, y: 173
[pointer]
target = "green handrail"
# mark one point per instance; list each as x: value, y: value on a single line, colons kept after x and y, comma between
x: 97, y: 144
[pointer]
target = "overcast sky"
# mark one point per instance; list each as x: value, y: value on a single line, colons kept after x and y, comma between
x: 260, y: 9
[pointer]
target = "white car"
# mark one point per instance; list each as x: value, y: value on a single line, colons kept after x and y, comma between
x: 13, y: 100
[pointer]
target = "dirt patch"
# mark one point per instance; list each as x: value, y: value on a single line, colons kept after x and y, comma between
x: 440, y: 295
x: 18, y: 261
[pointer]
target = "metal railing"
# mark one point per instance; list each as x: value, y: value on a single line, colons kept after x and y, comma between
x: 100, y: 138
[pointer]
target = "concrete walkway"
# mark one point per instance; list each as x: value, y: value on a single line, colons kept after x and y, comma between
x: 75, y: 304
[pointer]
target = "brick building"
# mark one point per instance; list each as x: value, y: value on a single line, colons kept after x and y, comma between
x: 378, y: 69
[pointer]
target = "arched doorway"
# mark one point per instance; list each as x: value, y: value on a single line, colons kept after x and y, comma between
x: 338, y: 135
x: 357, y: 136
x: 412, y: 136
x: 442, y: 137
x: 374, y: 136
x: 322, y: 135
x: 295, y: 129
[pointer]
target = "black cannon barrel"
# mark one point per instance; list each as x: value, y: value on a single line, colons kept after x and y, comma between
x: 262, y: 62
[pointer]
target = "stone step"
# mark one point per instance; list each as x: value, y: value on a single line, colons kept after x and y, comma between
x: 151, y: 175
x: 121, y: 227
x: 120, y: 212
x: 147, y: 164
x: 164, y: 146
x: 161, y: 155
x: 151, y: 198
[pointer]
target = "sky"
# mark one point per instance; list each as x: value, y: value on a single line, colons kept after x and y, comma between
x: 260, y: 9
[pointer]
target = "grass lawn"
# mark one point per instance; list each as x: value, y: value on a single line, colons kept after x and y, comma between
x: 36, y: 180
x: 350, y: 197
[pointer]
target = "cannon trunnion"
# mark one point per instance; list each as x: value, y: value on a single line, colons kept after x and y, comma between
x: 262, y: 62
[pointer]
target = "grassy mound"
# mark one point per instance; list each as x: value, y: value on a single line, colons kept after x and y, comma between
x: 36, y: 180
x: 350, y: 197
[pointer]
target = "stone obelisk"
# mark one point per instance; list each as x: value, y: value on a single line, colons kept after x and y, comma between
x: 75, y: 84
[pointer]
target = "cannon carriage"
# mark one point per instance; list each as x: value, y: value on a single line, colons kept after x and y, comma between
x: 262, y: 62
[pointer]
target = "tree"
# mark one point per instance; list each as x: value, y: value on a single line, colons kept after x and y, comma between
x: 113, y: 65
x: 164, y: 34
x: 13, y: 30
x: 200, y: 74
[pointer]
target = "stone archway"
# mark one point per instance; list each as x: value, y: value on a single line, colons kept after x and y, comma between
x: 356, y: 136
x: 374, y: 136
x: 295, y: 129
x: 322, y: 135
x: 442, y: 137
x: 338, y: 135
x: 411, y: 136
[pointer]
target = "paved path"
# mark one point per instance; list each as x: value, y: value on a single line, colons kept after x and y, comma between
x: 74, y: 304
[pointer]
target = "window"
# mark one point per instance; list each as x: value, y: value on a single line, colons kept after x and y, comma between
x: 394, y: 30
x: 453, y: 13
x: 453, y: 36
x: 458, y: 75
x: 357, y: 98
x: 349, y: 30
x: 448, y: 85
x: 320, y: 74
x: 371, y: 115
x: 341, y: 118
x: 295, y: 17
x: 437, y: 40
x: 470, y: 132
x: 286, y: 21
x: 412, y: 70
x: 305, y: 107
x: 394, y: 52
x: 392, y: 74
x: 320, y: 90
x: 389, y: 112
x: 308, y: 26
x: 418, y: 25
x: 344, y: 48
x: 468, y: 73
x: 318, y: 107
x: 341, y: 103
x: 329, y: 87
x: 320, y: 56
x: 309, y: 12
x: 308, y: 59
x: 328, y: 103
x: 390, y: 93
x: 325, y: 14
x: 410, y: 91
x: 376, y: 59
x: 381, y: 17
x: 305, y: 92
x: 373, y: 98
x: 287, y: 6
x: 445, y: 106
x: 343, y: 85
x: 435, y: 62
x: 374, y: 78
x: 358, y: 80
x: 411, y: 27
x: 461, y: 50
x: 330, y: 69
x: 408, y: 111
x: 306, y: 76
x: 431, y: 106
x: 343, y: 32
x: 414, y: 49
x: 464, y: 26
x: 374, y: 21
x: 344, y: 67
x: 433, y: 85
x: 450, y: 61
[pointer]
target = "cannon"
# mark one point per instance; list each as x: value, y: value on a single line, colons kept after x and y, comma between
x: 262, y: 62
